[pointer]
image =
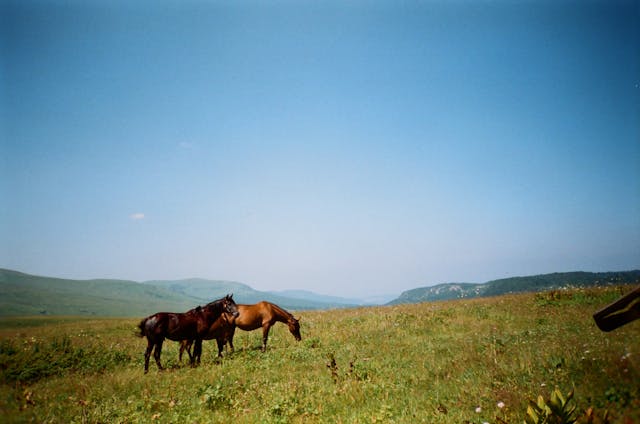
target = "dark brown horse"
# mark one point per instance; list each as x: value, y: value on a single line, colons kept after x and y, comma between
x: 264, y: 315
x: 220, y: 330
x: 191, y: 325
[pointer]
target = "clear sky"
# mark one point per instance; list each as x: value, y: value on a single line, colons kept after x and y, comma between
x: 349, y: 148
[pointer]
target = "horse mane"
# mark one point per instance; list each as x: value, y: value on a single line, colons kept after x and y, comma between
x: 283, y: 311
x: 217, y: 304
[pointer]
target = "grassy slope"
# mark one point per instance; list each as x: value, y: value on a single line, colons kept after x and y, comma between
x: 431, y: 363
x: 28, y: 294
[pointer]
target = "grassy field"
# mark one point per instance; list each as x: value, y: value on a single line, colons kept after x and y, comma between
x: 467, y: 361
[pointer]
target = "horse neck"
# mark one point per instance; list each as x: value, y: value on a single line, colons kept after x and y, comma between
x: 214, y: 309
x: 280, y: 314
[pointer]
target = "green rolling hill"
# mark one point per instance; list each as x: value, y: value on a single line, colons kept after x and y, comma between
x: 25, y: 294
x: 532, y: 283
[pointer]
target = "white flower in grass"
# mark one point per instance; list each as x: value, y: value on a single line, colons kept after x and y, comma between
x: 500, y: 404
x: 478, y: 410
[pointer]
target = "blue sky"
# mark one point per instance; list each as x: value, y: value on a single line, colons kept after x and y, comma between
x: 349, y: 148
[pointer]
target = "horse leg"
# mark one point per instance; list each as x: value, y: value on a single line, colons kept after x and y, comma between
x: 147, y: 355
x: 230, y: 338
x: 197, y: 352
x: 189, y: 351
x: 220, y: 341
x: 265, y: 336
x: 156, y: 353
x: 185, y: 345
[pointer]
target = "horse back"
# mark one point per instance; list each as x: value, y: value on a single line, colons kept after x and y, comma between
x: 253, y: 316
x: 170, y: 325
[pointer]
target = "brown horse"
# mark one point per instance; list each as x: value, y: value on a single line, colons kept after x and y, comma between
x: 264, y: 315
x: 191, y: 325
x: 220, y: 330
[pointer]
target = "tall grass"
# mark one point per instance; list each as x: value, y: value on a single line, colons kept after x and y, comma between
x: 470, y: 361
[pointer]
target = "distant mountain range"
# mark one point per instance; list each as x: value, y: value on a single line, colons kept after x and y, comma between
x: 25, y: 294
x: 516, y: 285
x: 242, y: 293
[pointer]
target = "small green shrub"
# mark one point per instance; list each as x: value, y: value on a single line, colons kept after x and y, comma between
x: 312, y: 343
x: 559, y: 409
x: 556, y: 410
x: 618, y: 395
x: 282, y: 410
x: 215, y: 396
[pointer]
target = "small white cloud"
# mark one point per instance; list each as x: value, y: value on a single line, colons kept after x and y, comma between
x: 137, y: 216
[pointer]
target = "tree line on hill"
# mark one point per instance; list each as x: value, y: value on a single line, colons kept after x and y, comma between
x: 533, y: 283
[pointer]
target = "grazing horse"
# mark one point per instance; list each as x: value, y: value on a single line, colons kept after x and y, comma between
x: 264, y: 314
x: 219, y: 330
x: 192, y: 325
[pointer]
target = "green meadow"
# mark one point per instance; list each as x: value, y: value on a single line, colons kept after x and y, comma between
x: 464, y: 361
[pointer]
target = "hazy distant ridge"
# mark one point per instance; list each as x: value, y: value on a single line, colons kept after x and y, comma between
x: 25, y: 294
x: 516, y: 285
x: 242, y: 293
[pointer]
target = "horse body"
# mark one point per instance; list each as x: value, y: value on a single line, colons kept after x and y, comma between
x: 264, y: 315
x: 173, y: 326
x: 220, y: 330
x: 191, y: 325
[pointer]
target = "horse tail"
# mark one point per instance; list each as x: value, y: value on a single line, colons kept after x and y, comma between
x: 141, y: 332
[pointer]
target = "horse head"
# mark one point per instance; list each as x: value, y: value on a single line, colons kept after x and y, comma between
x: 215, y: 309
x: 229, y: 306
x: 294, y: 327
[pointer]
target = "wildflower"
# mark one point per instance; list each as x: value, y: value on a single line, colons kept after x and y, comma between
x: 500, y: 404
x: 478, y: 410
